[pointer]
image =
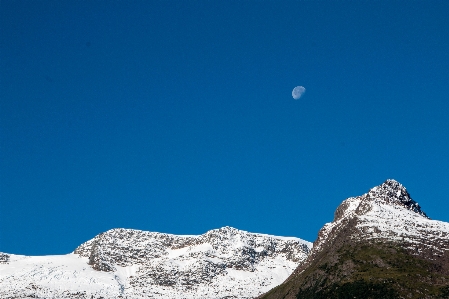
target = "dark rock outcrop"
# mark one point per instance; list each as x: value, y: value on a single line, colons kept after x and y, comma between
x: 4, y: 258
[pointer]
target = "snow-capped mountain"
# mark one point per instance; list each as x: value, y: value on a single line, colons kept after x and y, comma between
x: 379, y: 245
x: 125, y: 263
x: 387, y: 213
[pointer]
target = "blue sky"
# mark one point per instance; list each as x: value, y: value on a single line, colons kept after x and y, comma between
x: 177, y: 116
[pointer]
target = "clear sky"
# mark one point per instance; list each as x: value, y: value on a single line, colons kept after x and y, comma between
x: 178, y: 117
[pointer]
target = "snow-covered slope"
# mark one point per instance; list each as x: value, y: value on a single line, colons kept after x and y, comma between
x: 124, y: 263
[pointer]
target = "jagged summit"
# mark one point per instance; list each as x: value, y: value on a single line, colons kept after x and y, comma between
x: 393, y: 192
x: 385, y: 212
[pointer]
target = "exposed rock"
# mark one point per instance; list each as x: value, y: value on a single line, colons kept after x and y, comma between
x: 4, y: 258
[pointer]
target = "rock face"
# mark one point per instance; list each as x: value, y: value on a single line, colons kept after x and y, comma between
x: 124, y: 263
x: 379, y: 245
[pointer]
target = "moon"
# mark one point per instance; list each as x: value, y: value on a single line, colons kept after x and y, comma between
x: 298, y: 91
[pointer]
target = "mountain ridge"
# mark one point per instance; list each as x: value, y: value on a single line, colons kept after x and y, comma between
x: 126, y: 263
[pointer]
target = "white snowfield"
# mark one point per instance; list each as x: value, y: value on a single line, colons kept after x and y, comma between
x: 123, y: 263
x: 54, y: 276
x: 387, y: 212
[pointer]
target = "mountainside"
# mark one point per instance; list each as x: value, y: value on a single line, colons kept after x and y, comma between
x: 379, y: 245
x: 125, y: 263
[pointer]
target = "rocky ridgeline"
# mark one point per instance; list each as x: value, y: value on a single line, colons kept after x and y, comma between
x: 187, y: 263
x: 126, y: 263
x: 236, y: 249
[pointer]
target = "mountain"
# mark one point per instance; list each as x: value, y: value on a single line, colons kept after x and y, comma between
x: 379, y: 245
x: 125, y: 263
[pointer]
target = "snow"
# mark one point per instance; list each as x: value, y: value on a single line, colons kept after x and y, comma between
x: 402, y: 225
x: 220, y: 263
x: 283, y: 238
x: 59, y: 272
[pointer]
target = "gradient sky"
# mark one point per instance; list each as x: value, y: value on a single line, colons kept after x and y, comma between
x: 177, y: 116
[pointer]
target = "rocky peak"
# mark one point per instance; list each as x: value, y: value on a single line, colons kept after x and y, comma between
x: 374, y: 237
x: 385, y: 212
x: 392, y: 192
